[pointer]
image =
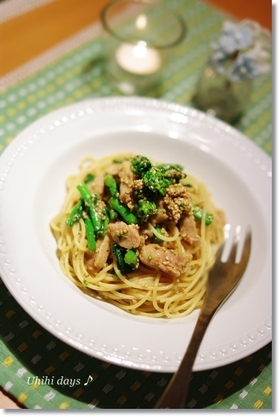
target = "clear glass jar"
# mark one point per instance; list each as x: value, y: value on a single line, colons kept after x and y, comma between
x: 139, y: 39
x: 220, y: 97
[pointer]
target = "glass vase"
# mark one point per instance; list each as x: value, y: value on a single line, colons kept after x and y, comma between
x: 218, y: 96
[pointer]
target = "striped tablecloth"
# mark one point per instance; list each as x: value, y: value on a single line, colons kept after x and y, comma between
x: 41, y: 371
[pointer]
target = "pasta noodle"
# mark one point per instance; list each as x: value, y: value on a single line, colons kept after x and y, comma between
x: 167, y: 273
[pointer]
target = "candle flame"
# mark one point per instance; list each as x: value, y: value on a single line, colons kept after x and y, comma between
x: 141, y: 21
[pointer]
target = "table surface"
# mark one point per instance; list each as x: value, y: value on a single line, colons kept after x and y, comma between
x: 57, y: 20
x: 26, y: 32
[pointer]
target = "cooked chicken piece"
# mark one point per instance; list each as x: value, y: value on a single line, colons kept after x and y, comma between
x: 113, y: 169
x: 96, y: 260
x: 97, y: 185
x: 165, y: 260
x: 188, y: 231
x: 161, y: 216
x: 125, y: 235
x: 145, y: 233
x: 126, y: 184
x: 177, y: 201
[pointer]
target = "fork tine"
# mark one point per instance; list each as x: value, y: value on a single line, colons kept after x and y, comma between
x: 237, y: 251
x: 247, y: 246
x: 231, y: 236
x: 236, y: 241
x: 235, y: 244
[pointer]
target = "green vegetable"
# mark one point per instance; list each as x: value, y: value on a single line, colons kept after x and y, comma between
x: 89, y: 200
x: 145, y: 208
x: 140, y: 165
x: 156, y: 239
x: 104, y: 223
x: 89, y: 178
x: 127, y: 259
x: 199, y: 214
x: 158, y: 178
x: 155, y: 181
x: 131, y: 258
x: 115, y: 203
x: 111, y: 183
x: 94, y: 223
x: 75, y: 214
x: 90, y: 234
x: 113, y: 215
x: 119, y: 254
x: 123, y: 210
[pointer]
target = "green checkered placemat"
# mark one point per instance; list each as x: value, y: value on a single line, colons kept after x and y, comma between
x: 43, y: 372
x: 40, y: 370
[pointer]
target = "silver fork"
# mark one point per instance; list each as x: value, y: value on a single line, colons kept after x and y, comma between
x: 231, y: 262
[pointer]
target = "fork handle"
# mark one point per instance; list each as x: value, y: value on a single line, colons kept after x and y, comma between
x: 175, y: 393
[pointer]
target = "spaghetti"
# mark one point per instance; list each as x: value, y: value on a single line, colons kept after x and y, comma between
x: 139, y: 235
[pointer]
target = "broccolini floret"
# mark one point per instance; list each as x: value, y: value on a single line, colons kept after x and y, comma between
x: 174, y: 171
x: 145, y: 209
x: 140, y: 165
x: 156, y: 178
x: 160, y: 177
x: 156, y: 182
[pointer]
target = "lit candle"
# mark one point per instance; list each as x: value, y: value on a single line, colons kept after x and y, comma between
x: 138, y: 59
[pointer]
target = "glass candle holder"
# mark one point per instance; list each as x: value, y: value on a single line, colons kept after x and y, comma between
x: 139, y: 39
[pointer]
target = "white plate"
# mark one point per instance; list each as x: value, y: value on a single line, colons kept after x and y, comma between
x: 33, y: 170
